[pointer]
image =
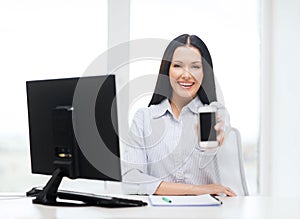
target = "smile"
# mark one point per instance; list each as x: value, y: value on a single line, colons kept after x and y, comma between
x: 186, y: 84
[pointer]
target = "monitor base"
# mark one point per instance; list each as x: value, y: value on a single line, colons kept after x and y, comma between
x: 49, y: 194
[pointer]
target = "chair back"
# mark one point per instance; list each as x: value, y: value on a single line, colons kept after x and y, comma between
x: 231, y: 165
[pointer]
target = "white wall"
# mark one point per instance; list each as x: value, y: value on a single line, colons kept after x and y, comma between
x: 281, y: 110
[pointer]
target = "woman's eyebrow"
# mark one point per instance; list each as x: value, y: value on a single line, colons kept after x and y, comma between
x: 195, y: 62
x: 177, y: 61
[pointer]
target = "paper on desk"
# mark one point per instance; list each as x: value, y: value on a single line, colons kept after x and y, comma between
x: 196, y: 200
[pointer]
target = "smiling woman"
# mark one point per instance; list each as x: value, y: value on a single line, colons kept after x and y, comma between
x: 168, y: 162
x: 231, y: 31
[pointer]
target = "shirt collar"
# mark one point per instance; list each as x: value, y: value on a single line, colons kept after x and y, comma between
x: 164, y: 106
x: 160, y: 109
x: 194, y: 105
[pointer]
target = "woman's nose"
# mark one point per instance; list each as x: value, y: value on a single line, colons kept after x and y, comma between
x: 186, y: 74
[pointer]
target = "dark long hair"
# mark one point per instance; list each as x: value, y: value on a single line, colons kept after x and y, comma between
x: 163, y: 89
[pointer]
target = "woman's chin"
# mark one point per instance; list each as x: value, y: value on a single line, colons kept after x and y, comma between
x: 186, y: 95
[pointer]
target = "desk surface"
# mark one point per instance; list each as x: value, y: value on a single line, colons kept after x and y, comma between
x: 238, y: 207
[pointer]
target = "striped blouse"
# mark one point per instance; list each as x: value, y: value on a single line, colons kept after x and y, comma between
x: 163, y: 148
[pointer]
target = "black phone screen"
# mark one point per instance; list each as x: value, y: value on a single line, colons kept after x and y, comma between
x: 207, y: 123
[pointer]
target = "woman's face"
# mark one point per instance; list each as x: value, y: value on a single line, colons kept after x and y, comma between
x: 186, y: 72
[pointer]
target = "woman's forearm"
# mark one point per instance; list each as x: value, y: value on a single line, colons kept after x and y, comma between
x: 169, y: 188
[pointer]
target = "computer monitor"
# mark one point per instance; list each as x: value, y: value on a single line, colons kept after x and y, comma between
x: 73, y: 130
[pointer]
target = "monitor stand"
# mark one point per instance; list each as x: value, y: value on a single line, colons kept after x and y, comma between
x: 49, y: 194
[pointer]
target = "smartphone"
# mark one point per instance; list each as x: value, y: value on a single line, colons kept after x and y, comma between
x: 207, y: 122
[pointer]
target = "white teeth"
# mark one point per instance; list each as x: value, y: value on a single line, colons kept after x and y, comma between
x: 186, y: 84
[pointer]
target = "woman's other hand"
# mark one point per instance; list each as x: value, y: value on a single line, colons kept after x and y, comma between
x: 215, y: 189
x: 171, y: 188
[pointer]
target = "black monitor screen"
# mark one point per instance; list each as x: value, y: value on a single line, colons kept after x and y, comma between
x: 73, y: 126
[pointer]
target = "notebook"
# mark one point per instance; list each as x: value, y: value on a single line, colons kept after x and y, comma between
x: 196, y: 200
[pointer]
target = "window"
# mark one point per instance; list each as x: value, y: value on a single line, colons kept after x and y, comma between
x: 40, y: 40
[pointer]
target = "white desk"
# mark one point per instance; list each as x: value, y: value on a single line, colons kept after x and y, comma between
x: 238, y: 207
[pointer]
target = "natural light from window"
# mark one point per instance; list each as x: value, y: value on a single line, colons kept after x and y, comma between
x: 40, y: 40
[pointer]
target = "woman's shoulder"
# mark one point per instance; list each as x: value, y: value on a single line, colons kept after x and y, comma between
x: 142, y: 111
x: 141, y: 114
x: 147, y: 113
